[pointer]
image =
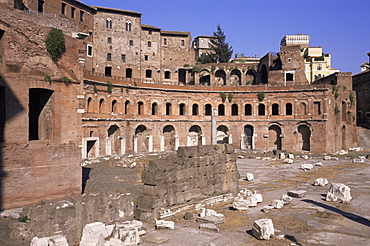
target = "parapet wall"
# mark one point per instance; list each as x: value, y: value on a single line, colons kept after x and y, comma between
x: 196, y: 173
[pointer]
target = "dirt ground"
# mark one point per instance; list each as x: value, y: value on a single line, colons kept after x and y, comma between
x: 305, y: 221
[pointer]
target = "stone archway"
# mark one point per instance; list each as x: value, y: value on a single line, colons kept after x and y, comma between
x: 169, y: 136
x: 248, y: 133
x: 274, y: 138
x: 222, y: 134
x: 142, y: 139
x: 304, y: 138
x: 195, y: 136
x: 113, y: 141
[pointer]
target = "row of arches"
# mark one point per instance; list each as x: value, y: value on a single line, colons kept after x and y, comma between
x: 144, y: 140
x: 155, y: 108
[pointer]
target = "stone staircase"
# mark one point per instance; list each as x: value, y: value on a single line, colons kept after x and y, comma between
x: 364, y: 137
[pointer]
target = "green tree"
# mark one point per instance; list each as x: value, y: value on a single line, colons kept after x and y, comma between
x: 221, y: 52
x: 55, y: 44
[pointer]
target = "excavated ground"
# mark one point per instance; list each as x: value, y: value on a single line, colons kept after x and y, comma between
x: 305, y: 221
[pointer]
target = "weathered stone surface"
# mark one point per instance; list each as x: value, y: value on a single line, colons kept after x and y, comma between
x: 306, y: 166
x: 277, y: 203
x: 297, y: 193
x: 214, y: 219
x: 320, y: 182
x: 209, y: 227
x: 267, y: 208
x: 287, y: 199
x: 339, y: 191
x: 263, y: 229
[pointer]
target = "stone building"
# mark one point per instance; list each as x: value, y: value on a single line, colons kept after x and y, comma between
x: 361, y: 84
x: 124, y: 87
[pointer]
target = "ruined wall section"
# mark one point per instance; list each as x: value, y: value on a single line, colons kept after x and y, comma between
x: 196, y: 173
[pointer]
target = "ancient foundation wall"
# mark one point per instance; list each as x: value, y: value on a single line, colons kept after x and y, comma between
x: 69, y: 217
x: 195, y: 173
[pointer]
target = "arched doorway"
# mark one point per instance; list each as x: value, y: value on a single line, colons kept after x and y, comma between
x: 195, y: 136
x: 274, y: 138
x: 142, y: 139
x: 222, y: 134
x: 220, y: 77
x: 113, y: 141
x: 169, y: 138
x: 304, y: 138
x: 235, y: 77
x: 248, y: 132
x: 344, y: 138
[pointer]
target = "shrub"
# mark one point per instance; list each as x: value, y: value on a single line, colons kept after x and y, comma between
x: 47, y: 78
x: 110, y: 87
x: 230, y: 97
x: 66, y: 80
x: 260, y: 96
x: 95, y: 88
x: 55, y: 44
x: 223, y: 96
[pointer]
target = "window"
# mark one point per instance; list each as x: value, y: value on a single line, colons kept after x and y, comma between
x: 168, y: 108
x: 131, y: 42
x: 64, y: 8
x: 108, y: 71
x: 221, y: 109
x: 319, y: 67
x: 167, y: 75
x: 154, y: 108
x: 289, y: 76
x: 165, y: 41
x: 73, y: 10
x: 288, y: 109
x: 150, y: 32
x: 101, y: 105
x: 261, y: 109
x: 234, y: 110
x: 114, y: 107
x: 127, y: 104
x: 146, y: 57
x: 275, y: 109
x: 109, y: 40
x: 317, y: 108
x: 128, y: 25
x: 248, y: 109
x: 149, y: 44
x: 182, y: 109
x: 128, y: 72
x: 182, y: 42
x: 208, y: 109
x: 109, y: 56
x: 41, y: 6
x: 148, y: 73
x: 195, y: 110
x: 359, y: 94
x: 108, y: 23
x: 89, y: 50
x: 123, y: 58
x: 82, y: 15
x: 140, y: 107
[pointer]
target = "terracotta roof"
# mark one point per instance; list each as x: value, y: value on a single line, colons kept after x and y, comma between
x: 178, y: 33
x: 204, y: 36
x: 117, y: 10
x: 149, y: 26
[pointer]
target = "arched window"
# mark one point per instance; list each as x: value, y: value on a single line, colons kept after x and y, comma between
x: 165, y: 41
x: 88, y: 107
x: 195, y: 109
x: 302, y: 108
x: 208, y: 109
x: 128, y: 25
x: 234, y: 110
x: 140, y: 108
x: 248, y: 109
x: 149, y: 44
x: 288, y: 109
x: 128, y: 73
x: 127, y: 104
x: 168, y: 108
x: 261, y: 109
x: 101, y: 105
x: 275, y: 109
x: 182, y: 42
x: 114, y: 107
x: 182, y: 109
x: 221, y: 109
x: 154, y: 108
x: 108, y: 23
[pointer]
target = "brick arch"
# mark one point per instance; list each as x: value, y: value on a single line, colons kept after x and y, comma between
x: 236, y: 77
x: 303, y: 133
x: 195, y: 135
x: 113, y: 145
x: 275, y: 131
x: 141, y: 138
x: 220, y: 77
x: 223, y: 134
x: 169, y: 134
x: 89, y: 105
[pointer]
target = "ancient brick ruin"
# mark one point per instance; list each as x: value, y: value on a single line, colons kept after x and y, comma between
x: 103, y: 98
x: 196, y: 173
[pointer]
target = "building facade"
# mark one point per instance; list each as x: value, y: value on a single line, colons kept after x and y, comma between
x: 123, y: 87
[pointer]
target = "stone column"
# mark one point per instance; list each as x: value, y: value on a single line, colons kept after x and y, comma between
x: 230, y: 139
x: 162, y: 143
x: 242, y: 141
x: 108, y: 146
x: 150, y: 147
x: 135, y: 144
x: 203, y: 139
x: 123, y: 145
x: 177, y: 142
x: 188, y: 140
x: 213, y: 127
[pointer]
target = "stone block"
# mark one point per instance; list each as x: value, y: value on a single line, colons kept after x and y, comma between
x: 187, y: 152
x: 267, y: 208
x: 146, y: 215
x: 163, y: 224
x: 205, y: 150
x: 209, y: 227
x: 39, y: 241
x: 297, y: 193
x: 286, y: 199
x: 263, y: 229
x: 188, y: 216
x: 150, y: 190
x: 277, y: 203
x: 339, y: 191
x: 229, y: 148
x: 95, y: 228
x: 249, y: 177
x: 147, y: 202
x: 306, y: 166
x: 320, y: 182
x: 288, y: 161
x: 214, y: 219
x: 58, y: 240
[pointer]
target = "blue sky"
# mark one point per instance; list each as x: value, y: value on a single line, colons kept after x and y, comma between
x: 255, y: 27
